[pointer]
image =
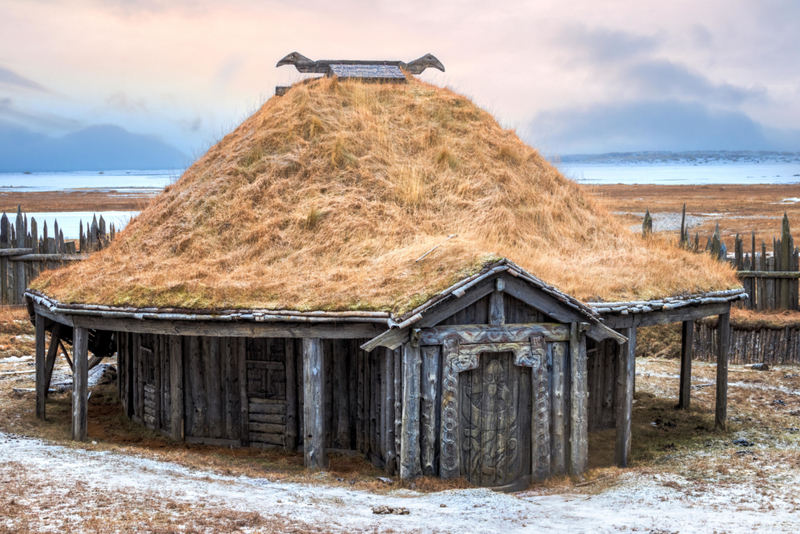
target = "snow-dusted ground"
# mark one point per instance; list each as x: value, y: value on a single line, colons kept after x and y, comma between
x: 635, y: 501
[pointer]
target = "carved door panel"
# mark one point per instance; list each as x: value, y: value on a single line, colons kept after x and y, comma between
x: 495, y: 421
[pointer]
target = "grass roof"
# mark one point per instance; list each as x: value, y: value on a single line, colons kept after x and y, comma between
x: 325, y: 198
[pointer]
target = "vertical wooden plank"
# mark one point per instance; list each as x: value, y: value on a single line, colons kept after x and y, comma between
x: 687, y: 343
x: 291, y: 396
x: 398, y: 406
x: 389, y: 413
x: 19, y: 266
x: 372, y: 398
x: 41, y: 391
x: 199, y: 404
x: 341, y: 434
x: 579, y: 437
x: 5, y: 242
x: 231, y: 390
x: 558, y: 450
x: 410, y: 466
x: 240, y: 350
x: 176, y: 387
x: 449, y: 449
x: 359, y: 408
x: 80, y: 380
x: 723, y: 333
x: 625, y: 390
x: 139, y: 371
x: 384, y: 388
x: 158, y: 347
x: 497, y: 309
x: 430, y: 374
x: 314, y: 404
x: 213, y: 386
x: 540, y: 418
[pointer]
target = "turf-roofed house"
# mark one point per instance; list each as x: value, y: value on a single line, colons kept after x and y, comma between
x: 380, y: 269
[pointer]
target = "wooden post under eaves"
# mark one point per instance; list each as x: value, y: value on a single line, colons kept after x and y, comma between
x: 52, y: 353
x: 80, y: 378
x: 579, y: 422
x: 176, y: 416
x: 625, y: 390
x: 314, y: 404
x: 410, y: 464
x: 687, y: 344
x: 723, y: 336
x: 41, y: 388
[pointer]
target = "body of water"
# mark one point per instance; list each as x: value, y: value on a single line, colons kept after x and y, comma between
x: 58, y: 181
x: 682, y: 174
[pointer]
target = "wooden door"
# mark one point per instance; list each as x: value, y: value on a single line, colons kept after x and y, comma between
x: 495, y: 421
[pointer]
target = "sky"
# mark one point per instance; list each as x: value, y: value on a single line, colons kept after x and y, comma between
x: 570, y: 76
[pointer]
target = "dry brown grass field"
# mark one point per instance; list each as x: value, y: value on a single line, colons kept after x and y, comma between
x: 737, y: 208
x: 75, y: 200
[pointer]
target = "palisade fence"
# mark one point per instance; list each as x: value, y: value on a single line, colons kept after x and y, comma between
x: 770, y: 278
x: 24, y: 252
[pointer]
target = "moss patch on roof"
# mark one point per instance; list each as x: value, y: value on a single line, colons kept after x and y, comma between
x: 325, y: 198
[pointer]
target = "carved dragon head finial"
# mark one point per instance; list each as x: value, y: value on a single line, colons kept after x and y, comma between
x: 301, y: 62
x: 419, y: 65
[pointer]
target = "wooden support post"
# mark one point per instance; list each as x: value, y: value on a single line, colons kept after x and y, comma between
x: 80, y: 378
x: 497, y: 308
x: 19, y: 266
x: 389, y: 413
x: 291, y: 396
x: 410, y: 465
x: 625, y: 390
x: 579, y: 421
x: 687, y: 343
x: 314, y: 404
x: 558, y: 447
x: 176, y: 406
x: 428, y: 387
x: 41, y: 388
x: 52, y: 354
x: 723, y: 336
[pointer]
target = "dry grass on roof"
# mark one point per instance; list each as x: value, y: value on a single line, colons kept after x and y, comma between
x: 325, y: 197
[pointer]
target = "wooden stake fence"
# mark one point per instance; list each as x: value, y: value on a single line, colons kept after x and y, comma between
x: 24, y: 253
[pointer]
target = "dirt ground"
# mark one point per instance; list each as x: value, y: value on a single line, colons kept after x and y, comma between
x: 685, y: 477
x: 737, y: 208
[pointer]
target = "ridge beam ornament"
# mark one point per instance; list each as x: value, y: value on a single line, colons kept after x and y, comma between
x: 323, y: 66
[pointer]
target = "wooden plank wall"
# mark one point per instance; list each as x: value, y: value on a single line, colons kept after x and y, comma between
x: 602, y: 366
x: 772, y: 346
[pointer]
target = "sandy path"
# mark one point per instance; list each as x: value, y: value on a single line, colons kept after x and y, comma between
x: 63, y: 477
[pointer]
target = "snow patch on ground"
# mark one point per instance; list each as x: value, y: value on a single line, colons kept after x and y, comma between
x: 661, y: 503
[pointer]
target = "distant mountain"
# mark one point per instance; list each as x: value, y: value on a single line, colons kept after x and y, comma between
x: 700, y: 157
x: 95, y: 148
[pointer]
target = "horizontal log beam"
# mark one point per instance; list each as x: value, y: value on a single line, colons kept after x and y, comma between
x: 768, y: 274
x: 686, y: 313
x: 510, y: 333
x: 14, y: 251
x: 229, y: 328
x: 57, y: 317
x: 50, y: 257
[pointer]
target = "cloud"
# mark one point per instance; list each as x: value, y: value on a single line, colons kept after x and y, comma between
x: 606, y: 45
x: 122, y: 102
x: 665, y: 79
x: 36, y: 121
x: 12, y: 79
x: 652, y: 125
